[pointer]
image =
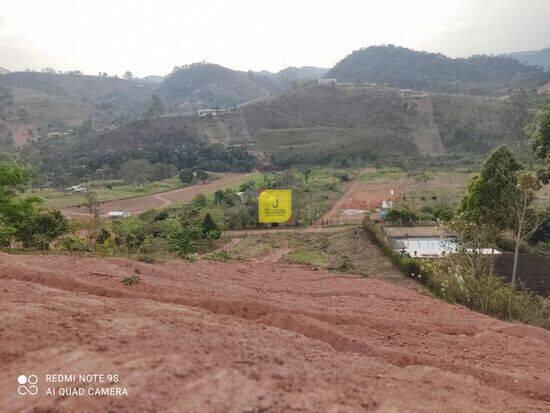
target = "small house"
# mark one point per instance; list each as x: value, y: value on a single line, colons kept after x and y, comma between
x: 118, y: 214
x: 327, y: 82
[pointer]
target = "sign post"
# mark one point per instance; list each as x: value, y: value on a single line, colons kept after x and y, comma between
x: 275, y: 206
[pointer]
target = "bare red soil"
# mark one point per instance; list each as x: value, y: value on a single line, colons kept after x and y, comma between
x: 255, y: 337
x: 361, y: 196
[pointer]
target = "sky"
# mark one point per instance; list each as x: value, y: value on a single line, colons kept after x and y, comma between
x: 151, y: 37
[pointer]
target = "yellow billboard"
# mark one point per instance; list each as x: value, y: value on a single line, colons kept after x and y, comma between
x: 275, y: 205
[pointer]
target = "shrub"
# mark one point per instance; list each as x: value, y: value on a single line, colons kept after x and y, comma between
x: 129, y: 281
x: 73, y: 243
x: 464, y: 278
x: 146, y: 259
x: 404, y: 215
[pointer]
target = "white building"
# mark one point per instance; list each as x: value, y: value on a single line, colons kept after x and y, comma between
x: 327, y: 82
x: 201, y: 113
x: 77, y: 188
x: 118, y: 214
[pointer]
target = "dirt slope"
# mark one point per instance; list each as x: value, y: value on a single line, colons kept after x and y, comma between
x: 256, y: 337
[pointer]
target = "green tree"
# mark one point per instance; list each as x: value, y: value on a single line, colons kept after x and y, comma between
x: 491, y: 194
x: 209, y: 227
x: 40, y: 226
x: 137, y: 171
x: 202, y: 175
x: 307, y: 173
x: 25, y: 219
x: 156, y: 108
x: 540, y: 138
x: 86, y: 127
x: 128, y: 75
x: 525, y: 223
x: 91, y: 202
x: 186, y: 176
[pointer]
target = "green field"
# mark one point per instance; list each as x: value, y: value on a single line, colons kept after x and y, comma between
x: 118, y: 190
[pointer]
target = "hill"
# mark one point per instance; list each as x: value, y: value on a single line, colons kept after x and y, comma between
x: 532, y: 57
x: 36, y: 104
x: 406, y: 68
x: 340, y: 125
x: 346, y: 124
x: 287, y: 77
x: 180, y: 142
x: 266, y: 336
x: 206, y: 85
x: 107, y: 93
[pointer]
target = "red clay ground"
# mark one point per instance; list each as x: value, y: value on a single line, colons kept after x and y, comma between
x: 360, y: 196
x: 256, y: 337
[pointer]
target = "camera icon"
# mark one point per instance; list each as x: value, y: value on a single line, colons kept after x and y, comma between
x: 27, y: 385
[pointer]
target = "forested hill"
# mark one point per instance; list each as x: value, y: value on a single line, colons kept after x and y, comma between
x: 406, y: 68
x: 533, y: 57
x: 212, y: 85
x: 109, y: 93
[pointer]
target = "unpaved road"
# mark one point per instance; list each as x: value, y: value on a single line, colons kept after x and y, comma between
x: 137, y: 205
x: 255, y: 337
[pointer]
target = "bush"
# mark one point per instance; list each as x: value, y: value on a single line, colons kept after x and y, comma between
x: 73, y: 243
x: 453, y: 280
x: 463, y: 278
x: 146, y: 259
x: 404, y: 215
x: 411, y: 267
x: 129, y: 281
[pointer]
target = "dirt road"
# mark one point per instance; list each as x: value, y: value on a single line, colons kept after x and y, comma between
x: 143, y: 203
x: 254, y: 337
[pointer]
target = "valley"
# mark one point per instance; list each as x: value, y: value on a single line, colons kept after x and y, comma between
x: 369, y: 236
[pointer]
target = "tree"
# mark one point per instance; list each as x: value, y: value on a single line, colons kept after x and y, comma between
x: 219, y: 196
x: 517, y: 115
x: 24, y: 218
x: 156, y: 108
x: 137, y: 171
x: 86, y: 127
x: 307, y: 173
x: 209, y: 228
x: 40, y: 227
x: 527, y: 186
x: 13, y: 178
x: 186, y: 176
x: 540, y: 138
x: 91, y: 202
x: 202, y: 175
x: 128, y: 75
x: 490, y: 195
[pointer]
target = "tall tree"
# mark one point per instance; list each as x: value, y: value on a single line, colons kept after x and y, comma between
x: 541, y: 142
x: 24, y: 218
x: 526, y: 223
x: 128, y: 75
x: 186, y: 176
x: 202, y: 175
x: 209, y: 228
x: 491, y: 194
x: 156, y: 108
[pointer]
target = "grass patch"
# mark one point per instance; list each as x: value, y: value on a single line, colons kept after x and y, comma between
x: 308, y: 256
x: 105, y: 190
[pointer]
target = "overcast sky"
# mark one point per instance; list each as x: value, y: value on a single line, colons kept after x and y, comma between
x: 151, y: 37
